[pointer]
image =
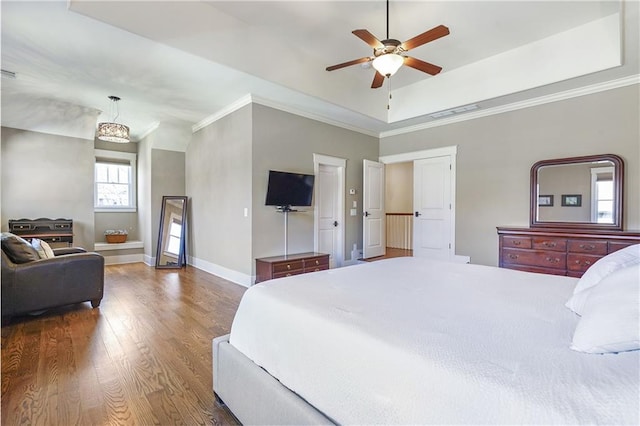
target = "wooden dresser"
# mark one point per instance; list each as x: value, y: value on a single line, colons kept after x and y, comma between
x: 268, y: 268
x: 558, y: 251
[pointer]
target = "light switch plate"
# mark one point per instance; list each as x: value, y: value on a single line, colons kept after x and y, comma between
x: 352, y: 191
x: 354, y: 212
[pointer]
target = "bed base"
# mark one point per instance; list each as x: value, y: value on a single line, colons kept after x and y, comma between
x: 254, y: 396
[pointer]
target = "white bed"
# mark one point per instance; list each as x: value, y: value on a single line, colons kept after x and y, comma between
x: 413, y: 341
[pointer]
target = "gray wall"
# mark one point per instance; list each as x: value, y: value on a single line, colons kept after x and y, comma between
x: 495, y: 155
x: 218, y: 184
x: 51, y: 176
x: 145, y: 208
x: 287, y: 142
x: 167, y: 178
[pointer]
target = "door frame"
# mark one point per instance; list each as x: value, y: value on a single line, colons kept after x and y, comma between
x: 451, y: 152
x: 341, y: 165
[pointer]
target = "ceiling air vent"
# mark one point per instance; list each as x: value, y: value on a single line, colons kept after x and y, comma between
x: 453, y: 111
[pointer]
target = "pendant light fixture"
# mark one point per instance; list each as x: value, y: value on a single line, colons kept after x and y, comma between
x: 112, y: 131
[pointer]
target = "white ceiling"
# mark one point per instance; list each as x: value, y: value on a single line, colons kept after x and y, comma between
x: 183, y: 62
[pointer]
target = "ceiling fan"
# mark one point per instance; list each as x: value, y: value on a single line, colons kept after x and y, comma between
x: 388, y: 54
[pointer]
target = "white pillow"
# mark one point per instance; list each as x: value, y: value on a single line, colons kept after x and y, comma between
x: 611, y: 316
x: 44, y: 250
x: 39, y: 246
x: 602, y: 268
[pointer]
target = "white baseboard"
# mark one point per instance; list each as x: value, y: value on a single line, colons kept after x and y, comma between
x: 124, y: 258
x: 221, y: 271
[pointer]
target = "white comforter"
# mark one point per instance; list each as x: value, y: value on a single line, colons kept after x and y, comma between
x: 413, y: 341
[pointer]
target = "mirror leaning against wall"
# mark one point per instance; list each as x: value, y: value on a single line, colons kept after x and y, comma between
x: 171, y: 236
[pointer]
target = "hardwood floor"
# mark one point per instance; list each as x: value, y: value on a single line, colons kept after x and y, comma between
x: 142, y: 357
x: 391, y: 252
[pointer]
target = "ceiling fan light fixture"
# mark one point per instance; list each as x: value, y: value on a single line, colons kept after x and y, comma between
x: 112, y: 131
x: 388, y: 64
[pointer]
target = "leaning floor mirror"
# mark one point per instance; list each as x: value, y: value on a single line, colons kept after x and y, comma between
x: 171, y: 237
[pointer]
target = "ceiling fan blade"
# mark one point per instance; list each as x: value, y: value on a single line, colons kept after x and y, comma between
x: 368, y: 38
x: 433, y: 34
x: 378, y: 79
x: 422, y: 65
x: 347, y: 64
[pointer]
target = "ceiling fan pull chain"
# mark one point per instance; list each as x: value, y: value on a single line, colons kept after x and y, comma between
x: 389, y: 88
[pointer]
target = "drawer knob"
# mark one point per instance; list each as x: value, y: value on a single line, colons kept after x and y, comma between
x: 288, y: 266
x: 549, y: 244
x: 513, y: 256
x: 288, y: 275
x: 317, y: 262
x: 316, y: 270
x: 586, y: 262
x: 552, y: 260
x: 517, y: 243
x: 587, y: 246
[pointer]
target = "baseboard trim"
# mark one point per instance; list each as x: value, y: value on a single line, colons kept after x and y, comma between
x: 123, y: 258
x: 221, y: 271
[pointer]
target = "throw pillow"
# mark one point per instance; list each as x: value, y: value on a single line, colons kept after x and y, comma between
x: 598, y: 271
x: 47, y: 249
x: 611, y: 315
x: 18, y: 249
x: 43, y: 248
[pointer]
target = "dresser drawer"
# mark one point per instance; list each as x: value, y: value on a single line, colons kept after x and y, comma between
x: 555, y: 244
x: 588, y: 246
x: 619, y: 245
x: 581, y: 262
x: 545, y: 259
x: 516, y: 242
x: 316, y: 262
x: 288, y: 266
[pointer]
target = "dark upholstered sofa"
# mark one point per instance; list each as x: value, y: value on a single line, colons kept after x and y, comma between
x: 71, y: 276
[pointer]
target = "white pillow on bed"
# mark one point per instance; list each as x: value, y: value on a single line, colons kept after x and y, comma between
x: 611, y: 315
x: 601, y: 269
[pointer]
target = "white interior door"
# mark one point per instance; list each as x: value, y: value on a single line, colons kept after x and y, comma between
x: 329, y: 207
x: 432, y: 208
x: 327, y: 187
x: 373, y: 210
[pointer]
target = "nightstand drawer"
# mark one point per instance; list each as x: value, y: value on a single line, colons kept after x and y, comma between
x: 288, y: 274
x: 288, y: 266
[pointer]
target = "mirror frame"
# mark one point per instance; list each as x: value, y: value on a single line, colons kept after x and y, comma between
x: 618, y: 178
x: 182, y: 255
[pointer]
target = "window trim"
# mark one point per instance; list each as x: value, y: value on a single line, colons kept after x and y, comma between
x: 124, y: 158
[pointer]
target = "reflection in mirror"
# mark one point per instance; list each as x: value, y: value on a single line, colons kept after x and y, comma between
x: 171, y: 237
x: 579, y: 191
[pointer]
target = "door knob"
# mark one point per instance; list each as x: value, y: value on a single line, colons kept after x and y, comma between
x: 417, y: 214
x: 366, y: 214
x: 335, y: 223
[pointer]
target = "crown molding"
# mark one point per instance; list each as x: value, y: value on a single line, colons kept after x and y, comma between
x: 232, y: 107
x: 555, y: 97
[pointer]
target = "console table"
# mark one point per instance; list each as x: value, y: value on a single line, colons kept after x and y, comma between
x: 268, y: 268
x: 49, y: 230
x: 558, y: 251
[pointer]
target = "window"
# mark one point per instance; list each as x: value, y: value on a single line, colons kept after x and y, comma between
x: 115, y: 178
x: 602, y: 195
x: 173, y: 239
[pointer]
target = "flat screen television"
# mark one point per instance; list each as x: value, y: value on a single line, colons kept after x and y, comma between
x: 289, y: 189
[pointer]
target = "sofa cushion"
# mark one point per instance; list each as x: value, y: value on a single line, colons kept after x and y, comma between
x: 18, y: 249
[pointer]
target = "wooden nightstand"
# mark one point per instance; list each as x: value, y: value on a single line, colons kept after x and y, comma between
x: 268, y: 268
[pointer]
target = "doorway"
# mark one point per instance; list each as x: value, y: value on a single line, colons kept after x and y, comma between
x: 329, y: 216
x: 429, y: 177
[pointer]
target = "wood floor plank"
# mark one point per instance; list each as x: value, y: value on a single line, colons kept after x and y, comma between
x: 142, y: 357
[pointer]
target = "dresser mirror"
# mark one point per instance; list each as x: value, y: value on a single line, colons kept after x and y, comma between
x: 578, y: 192
x: 171, y: 237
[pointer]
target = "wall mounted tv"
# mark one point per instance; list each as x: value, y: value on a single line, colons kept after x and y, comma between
x: 287, y: 189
